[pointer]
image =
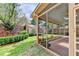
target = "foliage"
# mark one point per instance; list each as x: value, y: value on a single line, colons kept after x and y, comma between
x: 8, y: 25
x: 8, y: 14
x: 23, y: 32
x: 23, y: 20
x: 7, y: 11
x: 33, y: 22
x: 10, y: 39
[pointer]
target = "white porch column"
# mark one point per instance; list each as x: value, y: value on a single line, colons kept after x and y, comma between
x: 46, y: 29
x: 37, y: 29
x: 52, y: 29
x: 72, y: 30
x: 64, y: 29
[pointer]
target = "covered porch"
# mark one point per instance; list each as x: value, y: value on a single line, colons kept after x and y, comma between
x: 64, y: 19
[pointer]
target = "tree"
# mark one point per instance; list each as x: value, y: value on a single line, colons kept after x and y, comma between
x: 8, y: 14
x: 23, y: 21
x: 33, y: 22
x: 8, y: 25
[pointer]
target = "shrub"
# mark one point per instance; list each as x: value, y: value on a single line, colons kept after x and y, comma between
x: 23, y: 32
x: 10, y: 39
x: 31, y: 34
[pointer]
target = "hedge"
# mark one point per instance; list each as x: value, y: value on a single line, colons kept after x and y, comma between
x: 11, y: 39
x: 23, y: 32
x: 31, y: 34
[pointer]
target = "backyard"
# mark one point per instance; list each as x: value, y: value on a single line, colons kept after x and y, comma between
x: 27, y: 47
x: 18, y: 31
x: 38, y: 30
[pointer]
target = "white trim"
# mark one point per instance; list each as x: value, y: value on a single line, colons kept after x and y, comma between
x: 72, y: 30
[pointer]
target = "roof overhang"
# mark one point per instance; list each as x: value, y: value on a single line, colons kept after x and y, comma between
x: 56, y: 14
x: 39, y: 8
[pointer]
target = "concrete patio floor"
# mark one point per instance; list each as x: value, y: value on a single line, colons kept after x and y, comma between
x: 61, y: 46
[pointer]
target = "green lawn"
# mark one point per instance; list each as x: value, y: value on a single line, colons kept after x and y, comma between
x: 35, y: 50
x: 25, y: 47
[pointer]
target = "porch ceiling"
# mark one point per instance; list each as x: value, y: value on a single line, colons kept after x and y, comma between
x: 57, y: 15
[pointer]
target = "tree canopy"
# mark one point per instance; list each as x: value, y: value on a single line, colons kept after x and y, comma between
x: 8, y: 14
x: 7, y: 11
x: 33, y: 22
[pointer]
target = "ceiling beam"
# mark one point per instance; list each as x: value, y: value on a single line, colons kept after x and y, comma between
x: 50, y: 9
x: 41, y: 8
x: 76, y: 6
x: 51, y: 20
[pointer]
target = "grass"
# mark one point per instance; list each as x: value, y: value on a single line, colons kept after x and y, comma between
x: 25, y: 47
x: 35, y: 50
x: 16, y: 48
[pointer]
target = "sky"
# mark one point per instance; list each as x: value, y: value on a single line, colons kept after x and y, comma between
x: 28, y: 8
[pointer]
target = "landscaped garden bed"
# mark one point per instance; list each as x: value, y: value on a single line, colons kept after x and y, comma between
x: 11, y: 39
